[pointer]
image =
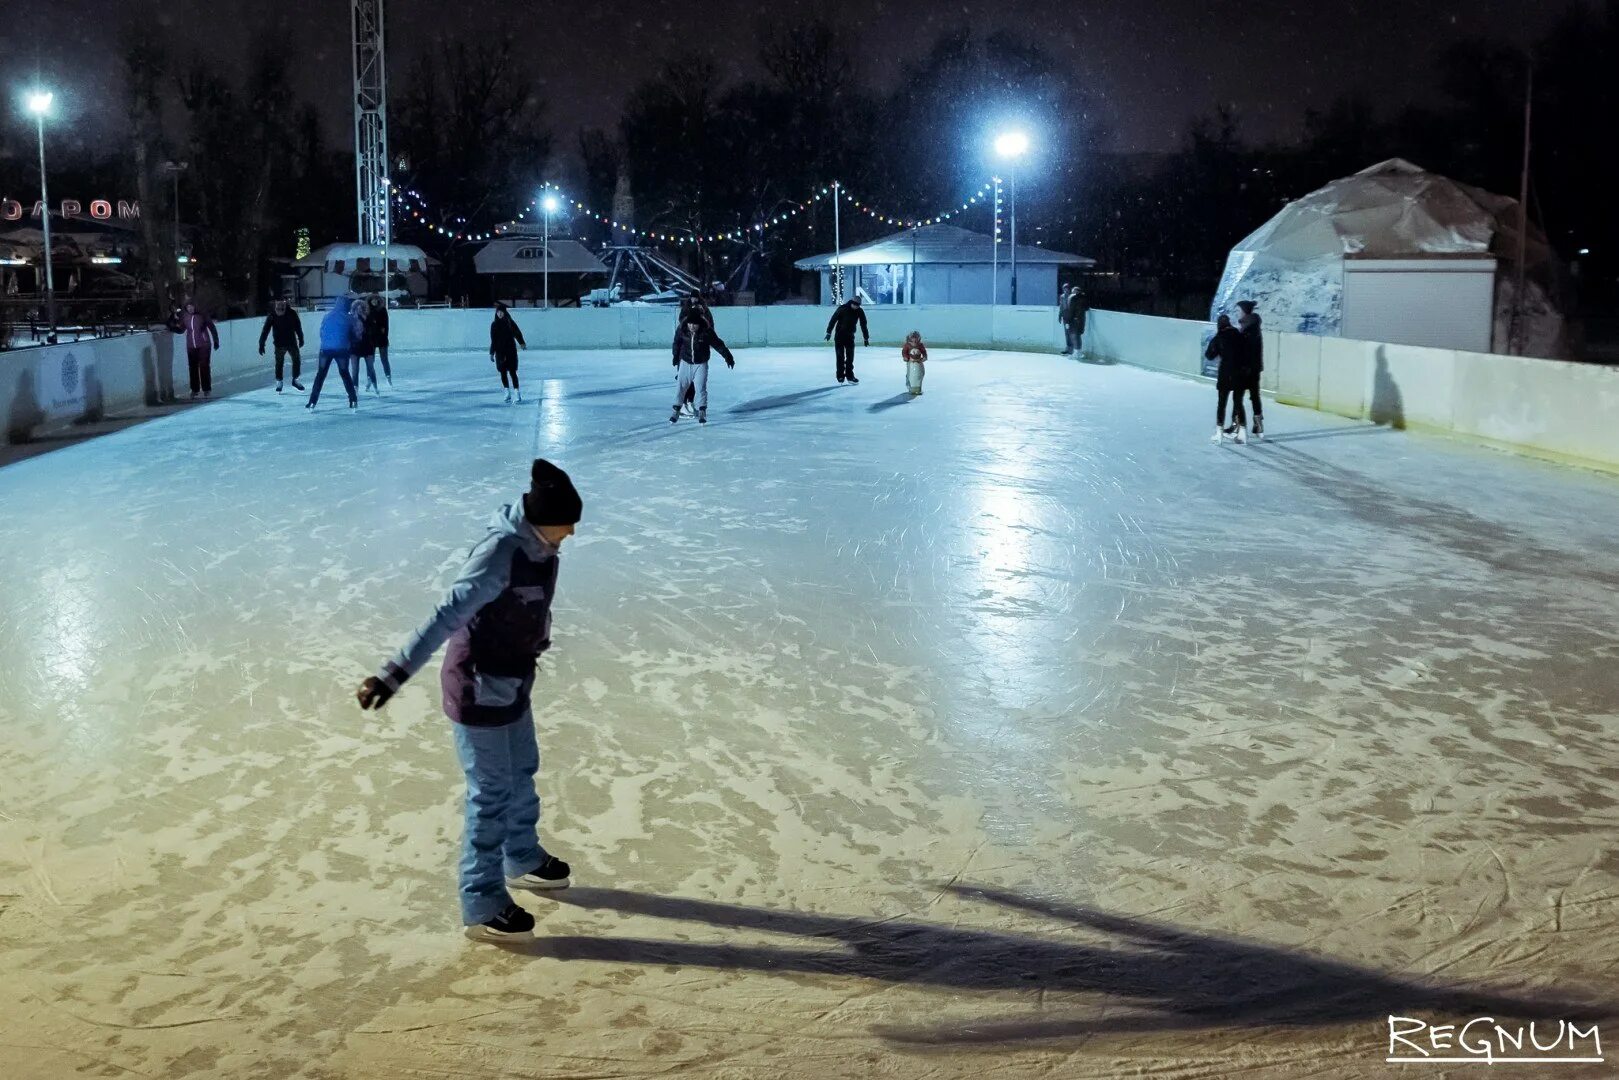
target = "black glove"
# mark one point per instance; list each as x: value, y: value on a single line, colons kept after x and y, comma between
x: 868, y: 343
x: 730, y: 363
x: 373, y: 693
x: 829, y: 337
x: 675, y: 362
x: 261, y: 350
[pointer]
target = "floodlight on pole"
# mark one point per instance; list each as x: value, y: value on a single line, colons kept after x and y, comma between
x: 549, y: 204
x: 39, y: 103
x: 1012, y: 145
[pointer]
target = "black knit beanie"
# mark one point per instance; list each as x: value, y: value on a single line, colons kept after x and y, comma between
x: 551, y: 498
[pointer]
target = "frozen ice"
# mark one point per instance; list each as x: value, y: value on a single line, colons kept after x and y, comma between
x: 1012, y: 727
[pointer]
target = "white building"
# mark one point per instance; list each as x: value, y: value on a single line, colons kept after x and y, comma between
x: 1398, y: 254
x: 942, y: 264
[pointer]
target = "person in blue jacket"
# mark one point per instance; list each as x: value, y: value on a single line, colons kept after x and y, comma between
x: 497, y: 622
x: 336, y: 335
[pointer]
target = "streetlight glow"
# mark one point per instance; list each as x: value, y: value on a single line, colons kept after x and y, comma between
x: 39, y: 102
x: 1011, y: 144
x: 550, y: 204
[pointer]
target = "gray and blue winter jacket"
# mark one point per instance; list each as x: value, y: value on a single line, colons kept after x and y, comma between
x: 497, y: 621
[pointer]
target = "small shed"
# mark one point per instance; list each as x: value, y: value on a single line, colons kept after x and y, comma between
x: 943, y: 264
x: 517, y: 267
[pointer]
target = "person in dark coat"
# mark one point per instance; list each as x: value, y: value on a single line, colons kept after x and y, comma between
x: 840, y: 331
x: 1074, y: 312
x: 694, y: 340
x: 288, y: 331
x: 1251, y: 327
x: 376, y: 331
x: 1228, y: 347
x: 505, y: 338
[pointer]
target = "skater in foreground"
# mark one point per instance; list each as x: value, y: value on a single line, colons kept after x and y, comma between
x: 915, y: 355
x: 840, y: 332
x: 504, y: 339
x: 1230, y: 350
x: 288, y: 333
x: 497, y: 620
x: 694, y: 340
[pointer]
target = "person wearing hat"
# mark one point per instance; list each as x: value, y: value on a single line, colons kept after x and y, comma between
x: 289, y: 339
x: 504, y: 338
x: 840, y: 331
x: 496, y: 619
x: 1250, y: 325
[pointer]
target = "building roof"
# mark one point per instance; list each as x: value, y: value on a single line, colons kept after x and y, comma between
x: 526, y: 255
x: 346, y: 258
x: 939, y: 244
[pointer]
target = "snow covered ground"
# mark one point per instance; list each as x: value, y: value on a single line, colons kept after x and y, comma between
x: 1014, y: 730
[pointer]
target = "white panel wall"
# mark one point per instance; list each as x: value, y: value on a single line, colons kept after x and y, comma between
x: 1440, y: 303
x: 1552, y: 408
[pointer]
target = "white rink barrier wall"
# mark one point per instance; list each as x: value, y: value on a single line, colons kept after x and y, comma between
x: 53, y: 388
x: 1550, y: 408
x: 1028, y: 329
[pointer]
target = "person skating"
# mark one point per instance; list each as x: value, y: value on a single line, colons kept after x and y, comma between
x: 336, y: 334
x: 694, y: 340
x: 1062, y: 319
x: 1075, y: 310
x: 1251, y: 326
x: 288, y: 331
x: 201, y: 339
x: 376, y: 332
x: 505, y: 337
x: 497, y: 621
x: 840, y: 331
x: 362, y: 347
x: 915, y: 355
x: 1230, y: 350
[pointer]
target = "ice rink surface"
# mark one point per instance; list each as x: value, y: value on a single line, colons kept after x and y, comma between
x: 1011, y: 731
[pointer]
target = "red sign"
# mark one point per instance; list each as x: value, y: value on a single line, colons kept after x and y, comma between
x: 100, y: 209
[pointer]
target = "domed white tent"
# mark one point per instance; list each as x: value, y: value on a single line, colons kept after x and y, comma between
x: 1396, y: 253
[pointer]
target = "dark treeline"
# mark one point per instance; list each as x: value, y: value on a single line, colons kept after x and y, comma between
x: 701, y: 153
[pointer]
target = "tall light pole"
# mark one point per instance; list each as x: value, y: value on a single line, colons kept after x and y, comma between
x: 39, y: 103
x: 549, y: 205
x: 174, y: 169
x: 1012, y: 145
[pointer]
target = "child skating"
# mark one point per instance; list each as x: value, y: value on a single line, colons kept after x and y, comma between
x: 694, y: 340
x: 497, y: 621
x: 915, y: 355
x: 504, y: 339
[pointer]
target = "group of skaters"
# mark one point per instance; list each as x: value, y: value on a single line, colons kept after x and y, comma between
x: 1240, y: 350
x: 354, y: 329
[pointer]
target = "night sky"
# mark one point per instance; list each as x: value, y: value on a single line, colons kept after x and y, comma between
x: 1155, y: 64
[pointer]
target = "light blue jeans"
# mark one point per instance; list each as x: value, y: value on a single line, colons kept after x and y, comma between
x: 502, y: 814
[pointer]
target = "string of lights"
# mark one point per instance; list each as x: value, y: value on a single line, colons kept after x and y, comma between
x: 780, y: 217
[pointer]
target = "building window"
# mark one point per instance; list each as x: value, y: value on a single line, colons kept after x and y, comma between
x: 535, y: 252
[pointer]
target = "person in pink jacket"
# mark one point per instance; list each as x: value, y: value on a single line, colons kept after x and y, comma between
x: 202, y: 338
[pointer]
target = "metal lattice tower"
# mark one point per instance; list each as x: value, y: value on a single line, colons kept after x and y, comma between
x: 370, y: 124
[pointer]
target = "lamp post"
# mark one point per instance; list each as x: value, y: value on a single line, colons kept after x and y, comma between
x: 549, y: 205
x: 174, y: 169
x: 39, y: 103
x: 1012, y: 145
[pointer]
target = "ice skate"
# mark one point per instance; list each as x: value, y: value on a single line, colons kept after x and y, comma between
x: 278, y: 386
x: 309, y: 405
x: 702, y: 416
x: 296, y: 385
x: 550, y: 874
x: 1259, y: 428
x: 519, y: 397
x: 854, y: 380
x: 674, y: 417
x: 390, y: 379
x: 513, y: 924
x: 1241, y: 437
x: 1219, y: 435
x: 508, y: 397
